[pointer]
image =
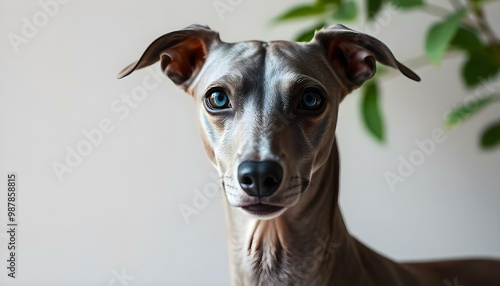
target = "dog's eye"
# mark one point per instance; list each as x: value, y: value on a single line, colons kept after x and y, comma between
x: 311, y: 101
x: 218, y: 99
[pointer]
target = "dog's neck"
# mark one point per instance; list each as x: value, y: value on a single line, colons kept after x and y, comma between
x: 295, y: 247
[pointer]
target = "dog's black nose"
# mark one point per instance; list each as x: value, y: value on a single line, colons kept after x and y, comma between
x: 260, y: 178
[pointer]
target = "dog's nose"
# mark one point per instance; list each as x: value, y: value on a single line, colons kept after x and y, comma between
x: 260, y: 178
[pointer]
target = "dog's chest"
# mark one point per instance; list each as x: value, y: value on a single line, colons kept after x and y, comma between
x: 273, y: 262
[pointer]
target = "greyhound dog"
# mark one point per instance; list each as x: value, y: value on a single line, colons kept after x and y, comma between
x: 268, y: 112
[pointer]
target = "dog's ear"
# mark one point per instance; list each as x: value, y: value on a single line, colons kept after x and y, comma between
x: 182, y: 53
x: 353, y: 55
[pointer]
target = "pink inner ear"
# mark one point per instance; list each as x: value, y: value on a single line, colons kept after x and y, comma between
x: 353, y: 63
x: 183, y: 60
x: 362, y: 67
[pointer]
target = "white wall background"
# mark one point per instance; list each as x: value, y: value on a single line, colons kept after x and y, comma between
x: 117, y: 212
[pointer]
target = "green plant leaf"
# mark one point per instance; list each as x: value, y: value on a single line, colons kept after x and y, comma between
x: 466, y: 39
x: 301, y: 12
x: 347, y: 11
x: 407, y: 4
x: 373, y: 7
x: 371, y: 114
x: 466, y: 110
x: 480, y: 65
x: 491, y: 136
x: 440, y: 34
x: 308, y: 34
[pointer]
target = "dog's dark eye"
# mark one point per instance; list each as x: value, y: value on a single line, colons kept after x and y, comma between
x: 218, y: 99
x: 311, y: 101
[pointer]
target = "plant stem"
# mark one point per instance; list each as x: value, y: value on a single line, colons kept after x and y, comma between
x: 484, y: 28
x: 441, y: 12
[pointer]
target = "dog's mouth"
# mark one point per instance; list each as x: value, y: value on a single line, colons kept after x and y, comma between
x: 263, y: 210
x: 268, y: 207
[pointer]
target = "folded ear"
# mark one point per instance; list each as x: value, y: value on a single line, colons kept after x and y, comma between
x: 353, y: 54
x: 182, y: 53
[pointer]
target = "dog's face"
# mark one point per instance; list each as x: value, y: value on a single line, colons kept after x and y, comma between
x: 267, y: 102
x: 267, y: 111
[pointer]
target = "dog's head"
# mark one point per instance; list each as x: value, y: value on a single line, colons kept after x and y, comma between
x: 267, y: 110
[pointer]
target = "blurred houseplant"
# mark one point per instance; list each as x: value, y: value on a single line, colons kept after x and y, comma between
x: 463, y: 29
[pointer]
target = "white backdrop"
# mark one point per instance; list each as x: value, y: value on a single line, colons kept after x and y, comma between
x: 113, y: 218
